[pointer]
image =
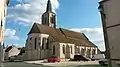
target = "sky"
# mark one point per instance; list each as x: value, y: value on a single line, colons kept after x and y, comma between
x: 77, y: 15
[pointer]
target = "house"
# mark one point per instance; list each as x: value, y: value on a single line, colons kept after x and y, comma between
x: 21, y: 54
x: 3, y: 12
x: 11, y: 51
x: 110, y: 15
x: 45, y: 40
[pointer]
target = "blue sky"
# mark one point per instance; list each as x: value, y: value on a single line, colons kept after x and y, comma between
x: 77, y: 15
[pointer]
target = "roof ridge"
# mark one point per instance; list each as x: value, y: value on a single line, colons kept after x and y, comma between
x: 74, y: 38
x: 71, y: 30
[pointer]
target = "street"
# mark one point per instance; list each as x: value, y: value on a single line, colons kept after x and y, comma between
x: 20, y: 64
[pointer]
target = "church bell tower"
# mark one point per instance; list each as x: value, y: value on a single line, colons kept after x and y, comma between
x: 49, y: 18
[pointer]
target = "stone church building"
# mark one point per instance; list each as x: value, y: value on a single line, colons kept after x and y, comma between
x: 45, y: 40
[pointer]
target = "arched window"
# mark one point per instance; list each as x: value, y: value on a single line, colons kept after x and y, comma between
x: 64, y: 49
x: 77, y: 49
x: 82, y: 51
x: 39, y: 44
x: 71, y: 48
x: 53, y: 50
x: 93, y: 51
x: 52, y: 19
x: 47, y: 44
x: 30, y: 38
x: 43, y: 43
x: 35, y: 43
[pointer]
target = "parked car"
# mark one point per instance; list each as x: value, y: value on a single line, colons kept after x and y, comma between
x: 80, y: 58
x: 14, y: 59
x: 98, y: 56
x: 101, y: 59
x: 103, y: 62
x: 53, y: 59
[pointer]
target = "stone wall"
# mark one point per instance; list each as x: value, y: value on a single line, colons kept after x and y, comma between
x: 67, y: 54
x: 85, y: 51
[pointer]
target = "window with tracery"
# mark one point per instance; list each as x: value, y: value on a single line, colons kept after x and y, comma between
x: 47, y: 44
x: 53, y: 50
x: 35, y: 43
x: 64, y: 49
x: 44, y: 42
x: 71, y: 49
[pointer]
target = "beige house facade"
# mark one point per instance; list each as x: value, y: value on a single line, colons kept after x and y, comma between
x: 3, y: 11
x: 110, y: 15
x: 11, y: 51
x: 45, y: 40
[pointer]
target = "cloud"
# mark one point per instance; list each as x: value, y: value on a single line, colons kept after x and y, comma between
x: 94, y: 34
x: 19, y: 45
x: 26, y: 12
x: 10, y: 34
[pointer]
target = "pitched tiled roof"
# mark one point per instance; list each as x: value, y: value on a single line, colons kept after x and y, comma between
x: 72, y: 34
x: 62, y: 35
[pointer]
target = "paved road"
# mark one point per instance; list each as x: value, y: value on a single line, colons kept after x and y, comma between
x: 18, y: 64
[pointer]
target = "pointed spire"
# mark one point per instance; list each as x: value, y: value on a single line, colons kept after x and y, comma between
x: 49, y: 7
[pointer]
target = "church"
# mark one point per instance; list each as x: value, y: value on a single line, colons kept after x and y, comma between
x: 46, y: 40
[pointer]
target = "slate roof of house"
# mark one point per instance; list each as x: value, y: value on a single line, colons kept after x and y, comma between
x: 8, y: 49
x: 62, y: 35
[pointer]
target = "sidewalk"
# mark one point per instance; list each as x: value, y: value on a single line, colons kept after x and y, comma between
x: 63, y: 63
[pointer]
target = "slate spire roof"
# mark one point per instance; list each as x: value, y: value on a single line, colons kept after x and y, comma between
x: 49, y: 7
